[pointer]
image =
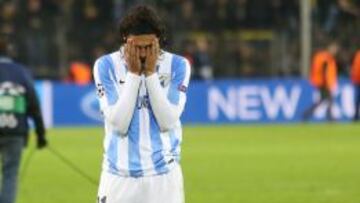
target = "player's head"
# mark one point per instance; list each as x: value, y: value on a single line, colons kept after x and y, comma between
x: 333, y: 47
x: 142, y: 24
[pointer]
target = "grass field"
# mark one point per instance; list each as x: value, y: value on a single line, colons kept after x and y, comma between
x: 227, y: 164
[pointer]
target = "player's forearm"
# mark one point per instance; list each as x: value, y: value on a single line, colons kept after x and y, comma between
x: 34, y: 111
x: 166, y: 113
x: 120, y: 114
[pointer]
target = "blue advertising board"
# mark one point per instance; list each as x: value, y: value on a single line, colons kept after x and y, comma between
x: 222, y: 101
x: 262, y: 101
x: 75, y: 105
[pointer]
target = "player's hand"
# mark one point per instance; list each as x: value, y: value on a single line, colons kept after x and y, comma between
x: 152, y: 54
x: 132, y: 57
x: 41, y: 142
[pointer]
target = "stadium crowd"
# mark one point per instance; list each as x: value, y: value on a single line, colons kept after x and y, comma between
x: 222, y: 38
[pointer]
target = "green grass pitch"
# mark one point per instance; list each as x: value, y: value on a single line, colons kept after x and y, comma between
x: 229, y: 164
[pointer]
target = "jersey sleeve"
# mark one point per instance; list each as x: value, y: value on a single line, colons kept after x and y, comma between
x: 116, y: 106
x: 168, y: 107
x: 181, y: 70
x: 105, y: 83
x: 33, y: 105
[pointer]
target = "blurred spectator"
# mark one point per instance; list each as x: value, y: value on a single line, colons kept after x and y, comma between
x: 202, y: 66
x: 38, y: 32
x: 90, y: 20
x: 239, y: 13
x: 189, y: 50
x: 284, y: 14
x: 329, y: 12
x: 323, y: 77
x: 8, y: 17
x: 220, y: 15
x: 355, y: 78
x: 245, y: 61
x: 186, y: 18
x: 49, y: 33
x: 80, y: 73
x: 9, y: 25
x: 351, y: 7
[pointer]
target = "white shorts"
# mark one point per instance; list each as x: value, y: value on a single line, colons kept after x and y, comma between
x: 166, y: 188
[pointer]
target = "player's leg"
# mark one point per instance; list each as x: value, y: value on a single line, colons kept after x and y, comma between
x: 103, y: 187
x: 167, y: 188
x: 177, y: 185
x: 11, y: 155
x: 117, y: 189
x: 329, y: 98
x: 310, y: 111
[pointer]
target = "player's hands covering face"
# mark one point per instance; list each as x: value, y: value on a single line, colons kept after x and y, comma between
x: 152, y: 54
x: 132, y: 57
x: 141, y: 54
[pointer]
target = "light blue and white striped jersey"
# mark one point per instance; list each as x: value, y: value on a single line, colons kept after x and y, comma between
x: 144, y: 150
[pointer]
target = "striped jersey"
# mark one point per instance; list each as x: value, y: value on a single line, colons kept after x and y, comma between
x: 144, y: 150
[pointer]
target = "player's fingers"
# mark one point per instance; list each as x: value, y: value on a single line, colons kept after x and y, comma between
x: 128, y: 46
x: 151, y: 52
x: 137, y: 55
x: 126, y: 51
x: 148, y: 53
x: 132, y: 52
x: 153, y: 48
x: 157, y: 47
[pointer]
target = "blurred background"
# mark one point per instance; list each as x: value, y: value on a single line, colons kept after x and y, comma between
x: 250, y: 64
x: 222, y: 38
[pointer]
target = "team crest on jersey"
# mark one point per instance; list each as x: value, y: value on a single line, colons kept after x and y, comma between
x: 100, y: 90
x: 164, y: 79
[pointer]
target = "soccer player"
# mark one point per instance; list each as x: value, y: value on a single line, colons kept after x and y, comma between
x: 18, y: 102
x: 142, y: 93
x: 324, y: 78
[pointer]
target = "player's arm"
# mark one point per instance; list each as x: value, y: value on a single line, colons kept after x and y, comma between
x: 118, y: 108
x: 33, y: 110
x: 167, y: 108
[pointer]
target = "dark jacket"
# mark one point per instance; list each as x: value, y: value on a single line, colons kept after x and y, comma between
x: 18, y: 101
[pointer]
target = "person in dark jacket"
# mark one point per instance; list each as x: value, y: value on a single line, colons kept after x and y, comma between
x: 18, y: 102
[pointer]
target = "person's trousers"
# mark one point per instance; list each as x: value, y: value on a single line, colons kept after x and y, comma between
x: 325, y: 96
x: 10, y: 152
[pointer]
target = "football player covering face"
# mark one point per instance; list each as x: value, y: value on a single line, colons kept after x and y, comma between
x: 143, y: 133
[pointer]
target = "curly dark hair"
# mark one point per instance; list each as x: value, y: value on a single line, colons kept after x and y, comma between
x: 141, y: 19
